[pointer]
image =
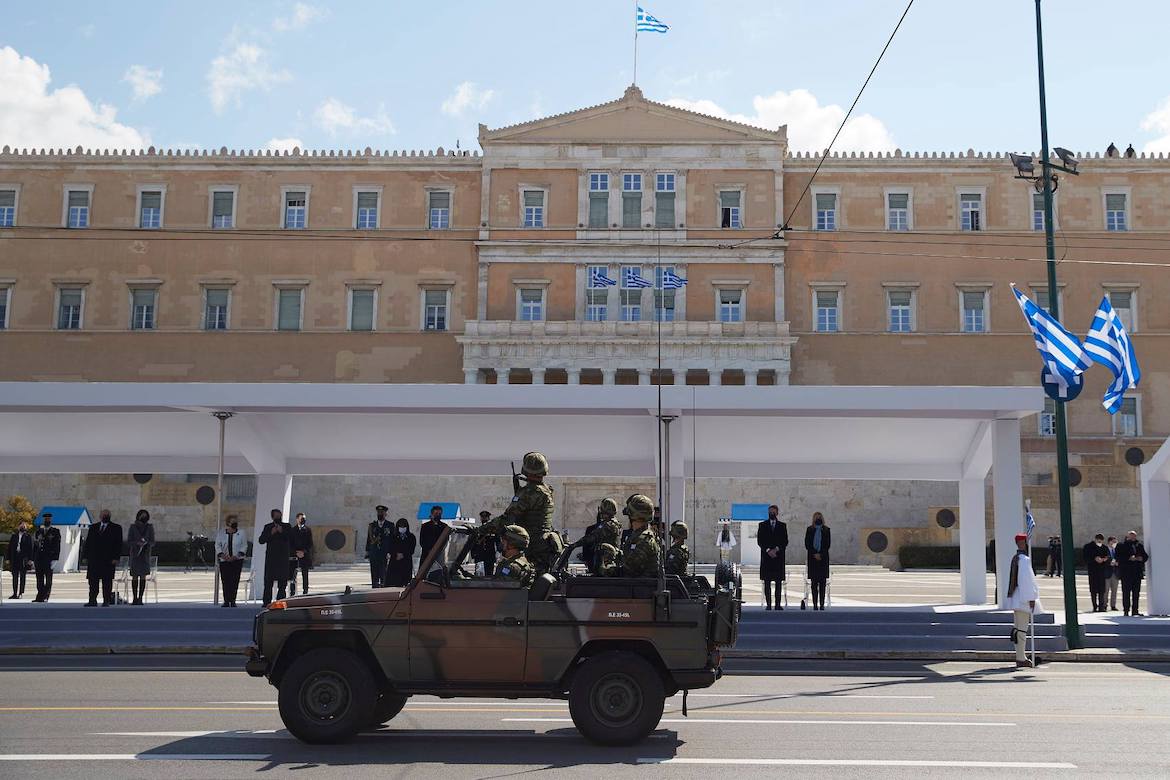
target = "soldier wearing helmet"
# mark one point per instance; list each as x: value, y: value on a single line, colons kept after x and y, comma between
x: 532, y: 510
x: 642, y: 553
x: 678, y: 556
x: 514, y: 565
x: 604, y: 533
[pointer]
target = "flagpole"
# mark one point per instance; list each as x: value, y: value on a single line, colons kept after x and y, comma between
x: 635, y: 81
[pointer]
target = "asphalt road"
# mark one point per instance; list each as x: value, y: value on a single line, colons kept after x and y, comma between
x: 813, y: 718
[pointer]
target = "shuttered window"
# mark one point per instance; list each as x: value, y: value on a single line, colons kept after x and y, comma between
x: 221, y: 209
x: 288, y: 314
x: 361, y: 309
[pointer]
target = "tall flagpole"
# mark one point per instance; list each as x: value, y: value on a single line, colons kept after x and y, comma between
x: 635, y: 81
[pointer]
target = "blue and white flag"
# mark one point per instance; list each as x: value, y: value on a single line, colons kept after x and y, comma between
x: 1109, y: 345
x: 672, y: 281
x: 597, y: 278
x: 644, y: 22
x: 1029, y: 521
x: 1060, y: 350
x: 632, y: 278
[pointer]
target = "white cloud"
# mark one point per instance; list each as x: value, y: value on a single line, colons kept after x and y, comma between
x: 284, y: 144
x: 144, y: 81
x: 244, y: 68
x: 336, y: 117
x: 31, y: 115
x: 1158, y: 121
x: 467, y: 96
x: 301, y: 17
x: 810, y: 125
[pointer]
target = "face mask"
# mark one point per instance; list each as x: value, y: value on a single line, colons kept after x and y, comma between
x: 402, y: 530
x: 818, y: 522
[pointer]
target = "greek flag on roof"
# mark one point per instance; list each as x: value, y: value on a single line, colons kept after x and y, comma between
x: 1109, y: 345
x: 632, y: 278
x: 672, y: 281
x: 597, y: 278
x: 647, y: 23
x: 1060, y: 350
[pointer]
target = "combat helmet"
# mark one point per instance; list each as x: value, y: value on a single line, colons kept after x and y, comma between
x: 535, y: 464
x: 608, y: 507
x: 678, y: 530
x: 517, y: 536
x: 639, y: 507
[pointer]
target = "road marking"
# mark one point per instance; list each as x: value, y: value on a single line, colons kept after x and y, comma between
x: 857, y: 762
x: 797, y: 696
x: 137, y: 757
x: 134, y: 709
x: 757, y: 722
x: 188, y: 734
x: 444, y: 704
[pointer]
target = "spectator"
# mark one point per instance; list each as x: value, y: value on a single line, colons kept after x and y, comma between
x: 1114, y: 577
x: 275, y: 538
x: 428, y: 535
x: 20, y: 554
x: 230, y: 552
x: 1023, y: 598
x: 1054, y: 557
x: 772, y: 537
x: 103, y: 548
x: 301, y: 538
x: 1131, y: 565
x: 375, y: 533
x: 1096, y: 556
x: 483, y: 551
x: 817, y: 540
x: 400, y: 555
x: 140, y: 539
x: 46, y: 551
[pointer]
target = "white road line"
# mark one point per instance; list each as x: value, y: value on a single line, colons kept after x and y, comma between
x: 798, y: 696
x: 136, y: 757
x: 758, y: 722
x: 857, y: 762
x: 186, y: 734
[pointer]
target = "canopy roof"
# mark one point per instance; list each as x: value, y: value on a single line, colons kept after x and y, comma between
x: 67, y: 515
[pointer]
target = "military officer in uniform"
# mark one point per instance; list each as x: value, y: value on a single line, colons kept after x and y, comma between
x: 606, y: 532
x: 642, y: 553
x: 514, y: 565
x: 532, y: 510
x: 678, y: 557
x: 376, y: 533
x: 46, y: 551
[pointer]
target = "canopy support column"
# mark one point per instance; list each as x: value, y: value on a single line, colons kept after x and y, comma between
x: 1156, y: 537
x: 972, y: 540
x: 1008, y: 498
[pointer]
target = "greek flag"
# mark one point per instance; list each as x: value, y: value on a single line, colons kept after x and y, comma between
x: 644, y: 22
x: 1060, y: 350
x: 1109, y: 345
x: 672, y: 281
x: 1029, y: 522
x: 632, y: 278
x: 597, y: 278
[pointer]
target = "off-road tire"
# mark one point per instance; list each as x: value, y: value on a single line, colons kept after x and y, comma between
x: 386, y: 708
x: 327, y: 696
x: 616, y: 698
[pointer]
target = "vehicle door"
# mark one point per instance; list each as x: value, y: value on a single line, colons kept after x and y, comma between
x: 468, y: 631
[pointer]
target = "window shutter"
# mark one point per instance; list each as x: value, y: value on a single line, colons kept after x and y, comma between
x: 899, y: 200
x: 294, y: 198
x: 7, y: 198
x: 664, y: 210
x: 1115, y: 202
x: 971, y: 197
x: 367, y: 200
x: 826, y: 201
x: 71, y: 297
x: 631, y: 209
x: 362, y: 310
x: 899, y: 297
x: 143, y: 298
x: 151, y: 200
x: 289, y: 316
x: 221, y: 204
x: 731, y: 297
x: 598, y: 209
x: 729, y: 199
x: 533, y: 198
x: 78, y: 198
x: 1121, y: 299
x: 217, y: 298
x: 440, y: 200
x: 973, y: 300
x: 826, y: 299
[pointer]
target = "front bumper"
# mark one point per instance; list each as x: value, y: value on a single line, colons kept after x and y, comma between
x: 690, y: 679
x: 256, y: 665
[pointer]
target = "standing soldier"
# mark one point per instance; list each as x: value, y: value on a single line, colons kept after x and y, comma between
x: 678, y: 556
x: 514, y: 565
x: 532, y: 510
x: 605, y: 532
x: 642, y: 553
x: 374, y: 546
x: 46, y: 550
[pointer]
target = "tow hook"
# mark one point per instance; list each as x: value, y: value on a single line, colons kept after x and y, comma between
x: 685, y: 692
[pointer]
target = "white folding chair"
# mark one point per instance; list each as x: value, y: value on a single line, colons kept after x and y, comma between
x: 246, y: 583
x: 152, y: 578
x: 122, y: 580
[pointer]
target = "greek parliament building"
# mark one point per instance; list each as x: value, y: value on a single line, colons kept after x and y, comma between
x: 494, y: 267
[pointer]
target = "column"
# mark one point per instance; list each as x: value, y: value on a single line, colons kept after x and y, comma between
x: 273, y: 491
x: 715, y: 376
x: 481, y: 290
x: 538, y: 376
x: 1008, y: 499
x: 471, y: 376
x: 751, y: 376
x: 608, y: 375
x: 973, y: 540
x: 573, y: 376
x: 643, y: 376
x: 503, y: 376
x: 1156, y: 538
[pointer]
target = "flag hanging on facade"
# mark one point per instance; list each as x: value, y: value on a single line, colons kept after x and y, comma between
x: 597, y: 278
x: 1109, y: 345
x: 644, y: 22
x: 1060, y: 350
x: 672, y: 281
x: 632, y: 278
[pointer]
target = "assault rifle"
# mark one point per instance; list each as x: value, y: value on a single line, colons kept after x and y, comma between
x: 515, y: 480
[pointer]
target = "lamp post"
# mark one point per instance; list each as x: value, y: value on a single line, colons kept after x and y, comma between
x: 223, y: 417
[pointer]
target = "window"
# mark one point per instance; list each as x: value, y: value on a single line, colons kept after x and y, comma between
x: 7, y: 208
x: 631, y: 200
x: 215, y: 308
x: 1047, y: 418
x: 664, y: 300
x: 731, y: 305
x: 729, y: 209
x: 971, y: 211
x: 974, y: 311
x: 898, y: 211
x: 367, y: 210
x: 296, y: 209
x: 361, y: 309
x: 826, y: 205
x: 5, y: 292
x: 435, y: 309
x: 289, y: 302
x: 223, y: 209
x: 1127, y: 422
x: 1116, y: 211
x: 664, y: 194
x: 598, y: 200
x: 1037, y: 210
x: 1042, y: 299
x: 901, y: 307
x: 631, y: 297
x: 1123, y: 302
x: 70, y: 301
x: 439, y: 210
x: 533, y: 208
x: 78, y: 209
x: 150, y: 209
x: 828, y: 311
x: 143, y: 302
x: 596, y: 295
x: 531, y: 305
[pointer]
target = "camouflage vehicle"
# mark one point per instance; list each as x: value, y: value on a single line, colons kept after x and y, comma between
x: 614, y: 647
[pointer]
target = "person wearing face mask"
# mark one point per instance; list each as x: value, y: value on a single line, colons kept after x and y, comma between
x: 1131, y: 566
x: 46, y: 551
x: 103, y: 548
x: 429, y: 533
x: 140, y: 540
x: 230, y: 551
x: 1097, y: 564
x: 302, y: 555
x: 817, y: 540
x: 400, y: 555
x: 772, y: 536
x: 20, y: 552
x: 375, y: 533
x: 275, y: 538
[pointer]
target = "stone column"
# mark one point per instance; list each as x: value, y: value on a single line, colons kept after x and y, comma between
x: 608, y: 375
x: 471, y: 376
x: 643, y: 376
x: 573, y: 376
x: 751, y: 376
x: 715, y: 376
x: 538, y: 376
x: 273, y: 491
x: 503, y: 376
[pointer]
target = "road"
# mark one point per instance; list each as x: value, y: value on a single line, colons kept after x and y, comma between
x: 816, y: 718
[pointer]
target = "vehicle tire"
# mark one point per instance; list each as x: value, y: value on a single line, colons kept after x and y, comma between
x: 616, y: 698
x: 386, y: 708
x: 327, y: 696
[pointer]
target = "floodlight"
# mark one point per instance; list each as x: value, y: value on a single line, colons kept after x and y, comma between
x: 1067, y: 158
x: 1023, y: 163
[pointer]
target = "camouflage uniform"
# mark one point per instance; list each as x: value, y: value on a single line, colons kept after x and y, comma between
x: 516, y: 567
x: 532, y: 509
x: 600, y: 550
x: 642, y: 553
x: 678, y: 556
x: 609, y: 561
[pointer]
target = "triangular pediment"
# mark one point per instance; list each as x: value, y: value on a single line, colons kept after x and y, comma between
x: 631, y: 119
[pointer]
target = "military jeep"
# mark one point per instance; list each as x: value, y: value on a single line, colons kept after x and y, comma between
x: 614, y: 647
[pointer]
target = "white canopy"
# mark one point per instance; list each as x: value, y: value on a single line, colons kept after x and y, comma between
x: 1155, y: 476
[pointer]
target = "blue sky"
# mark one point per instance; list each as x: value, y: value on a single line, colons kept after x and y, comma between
x: 419, y: 75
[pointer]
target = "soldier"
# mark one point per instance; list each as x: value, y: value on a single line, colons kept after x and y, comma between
x: 46, y: 551
x: 642, y: 554
x: 514, y: 565
x: 678, y: 556
x: 375, y: 533
x: 532, y: 509
x: 605, y: 532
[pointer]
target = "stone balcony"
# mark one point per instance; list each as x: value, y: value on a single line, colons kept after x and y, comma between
x: 503, y: 346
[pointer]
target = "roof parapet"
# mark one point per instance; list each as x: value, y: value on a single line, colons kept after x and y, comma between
x: 224, y: 153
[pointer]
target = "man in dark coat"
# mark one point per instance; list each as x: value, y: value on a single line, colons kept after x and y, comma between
x: 103, y: 548
x: 817, y: 540
x: 772, y: 537
x: 277, y: 540
x: 428, y: 533
x: 20, y: 552
x: 1097, y: 564
x: 46, y: 551
x: 376, y: 532
x: 1131, y: 566
x: 400, y: 555
x: 301, y: 544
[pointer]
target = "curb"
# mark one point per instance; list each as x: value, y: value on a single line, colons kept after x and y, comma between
x: 1063, y: 656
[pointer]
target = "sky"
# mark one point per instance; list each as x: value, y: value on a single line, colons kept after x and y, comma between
x: 420, y: 75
